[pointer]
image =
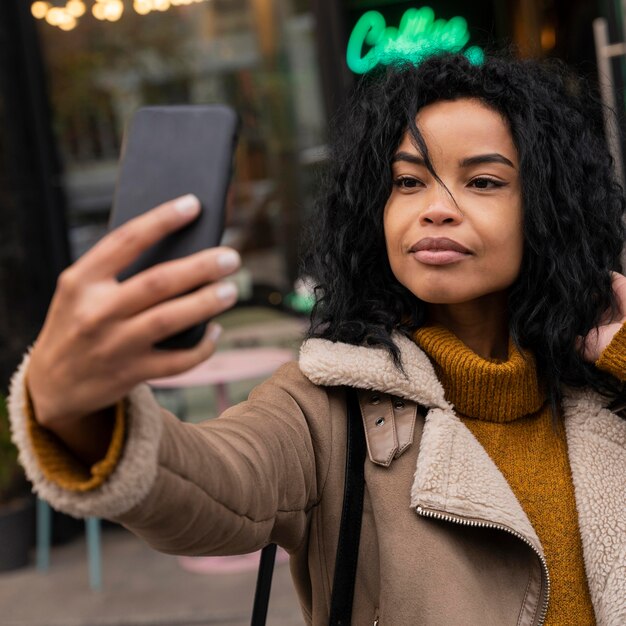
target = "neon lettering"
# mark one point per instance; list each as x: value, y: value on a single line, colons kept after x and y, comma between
x: 419, y: 35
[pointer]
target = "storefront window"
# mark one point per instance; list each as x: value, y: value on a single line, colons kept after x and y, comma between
x: 256, y: 55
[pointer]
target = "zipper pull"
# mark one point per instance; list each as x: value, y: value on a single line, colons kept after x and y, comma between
x: 376, y: 622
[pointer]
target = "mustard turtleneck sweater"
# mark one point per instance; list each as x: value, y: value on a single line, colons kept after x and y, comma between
x: 504, y: 405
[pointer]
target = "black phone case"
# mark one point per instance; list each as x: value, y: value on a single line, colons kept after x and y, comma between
x: 171, y: 151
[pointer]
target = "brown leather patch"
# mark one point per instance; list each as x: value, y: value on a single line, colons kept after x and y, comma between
x: 405, y: 414
x: 379, y: 425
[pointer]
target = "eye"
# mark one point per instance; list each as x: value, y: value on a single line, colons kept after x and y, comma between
x: 482, y: 182
x: 407, y: 182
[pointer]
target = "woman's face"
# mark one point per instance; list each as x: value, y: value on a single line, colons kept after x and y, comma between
x: 455, y: 247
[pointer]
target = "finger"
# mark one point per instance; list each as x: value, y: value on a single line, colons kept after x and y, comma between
x: 161, y: 364
x: 588, y: 346
x: 122, y: 246
x: 618, y: 283
x: 171, y: 317
x: 596, y: 341
x: 579, y: 344
x: 167, y: 280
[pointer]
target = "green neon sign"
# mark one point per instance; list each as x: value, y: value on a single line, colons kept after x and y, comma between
x: 418, y: 36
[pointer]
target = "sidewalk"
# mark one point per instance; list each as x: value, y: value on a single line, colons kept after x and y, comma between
x: 141, y: 587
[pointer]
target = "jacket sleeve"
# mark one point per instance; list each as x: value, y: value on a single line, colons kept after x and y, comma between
x: 613, y: 357
x: 225, y: 486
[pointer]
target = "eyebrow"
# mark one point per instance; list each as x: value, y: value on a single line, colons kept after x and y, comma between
x: 494, y: 157
x: 407, y: 156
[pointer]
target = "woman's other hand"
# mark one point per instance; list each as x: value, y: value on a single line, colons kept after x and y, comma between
x: 599, y: 338
x: 97, y: 341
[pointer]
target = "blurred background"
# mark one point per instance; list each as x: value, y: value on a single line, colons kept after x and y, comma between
x: 71, y: 74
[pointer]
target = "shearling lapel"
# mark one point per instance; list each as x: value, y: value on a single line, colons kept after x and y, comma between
x: 596, y: 440
x: 332, y: 364
x: 454, y: 474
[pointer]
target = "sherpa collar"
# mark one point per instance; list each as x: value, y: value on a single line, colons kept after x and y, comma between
x: 330, y: 363
x: 449, y: 453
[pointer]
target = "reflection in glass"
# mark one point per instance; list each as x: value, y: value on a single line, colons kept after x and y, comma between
x: 257, y: 55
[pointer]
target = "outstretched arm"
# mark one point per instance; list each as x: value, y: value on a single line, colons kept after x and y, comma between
x: 224, y: 486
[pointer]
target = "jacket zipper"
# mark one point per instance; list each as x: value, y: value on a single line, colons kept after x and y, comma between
x: 446, y: 517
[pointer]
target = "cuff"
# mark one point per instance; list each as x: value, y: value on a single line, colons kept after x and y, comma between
x: 110, y: 487
x: 59, y: 465
x: 613, y: 357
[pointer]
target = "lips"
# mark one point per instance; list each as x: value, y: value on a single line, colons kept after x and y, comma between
x: 438, y: 243
x: 438, y: 251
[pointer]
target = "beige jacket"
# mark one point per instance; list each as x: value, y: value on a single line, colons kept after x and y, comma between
x: 444, y: 540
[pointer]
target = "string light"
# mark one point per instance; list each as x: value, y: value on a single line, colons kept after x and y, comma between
x: 76, y: 8
x: 56, y: 16
x: 40, y: 9
x: 110, y: 10
x: 66, y: 16
x: 142, y: 7
x: 68, y: 23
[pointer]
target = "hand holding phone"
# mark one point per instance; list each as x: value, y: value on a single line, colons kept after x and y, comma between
x: 98, y: 339
x: 153, y: 276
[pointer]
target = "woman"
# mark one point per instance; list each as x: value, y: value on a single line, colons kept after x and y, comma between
x: 464, y: 253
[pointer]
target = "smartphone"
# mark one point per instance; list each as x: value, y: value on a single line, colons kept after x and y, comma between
x: 170, y: 151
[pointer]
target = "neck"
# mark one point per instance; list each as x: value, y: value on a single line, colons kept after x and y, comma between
x: 482, y: 324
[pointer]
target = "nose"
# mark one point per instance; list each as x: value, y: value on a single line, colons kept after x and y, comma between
x: 441, y: 209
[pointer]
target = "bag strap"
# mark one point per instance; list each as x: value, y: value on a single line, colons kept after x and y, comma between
x: 263, y: 585
x: 349, y: 530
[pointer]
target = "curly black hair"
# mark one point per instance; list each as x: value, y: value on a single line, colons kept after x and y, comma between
x: 572, y: 202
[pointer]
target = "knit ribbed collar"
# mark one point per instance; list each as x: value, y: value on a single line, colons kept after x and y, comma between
x: 491, y: 390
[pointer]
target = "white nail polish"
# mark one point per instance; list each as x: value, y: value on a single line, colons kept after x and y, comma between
x: 229, y: 260
x: 215, y: 331
x: 187, y: 205
x: 227, y: 291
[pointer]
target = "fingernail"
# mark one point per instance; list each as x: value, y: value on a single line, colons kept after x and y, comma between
x: 187, y: 205
x: 227, y: 291
x: 229, y: 260
x: 215, y: 331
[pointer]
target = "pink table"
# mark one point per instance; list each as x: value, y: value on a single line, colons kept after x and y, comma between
x: 227, y: 367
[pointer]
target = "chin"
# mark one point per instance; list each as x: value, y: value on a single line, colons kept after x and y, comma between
x: 443, y: 292
x: 458, y: 294
x: 444, y: 298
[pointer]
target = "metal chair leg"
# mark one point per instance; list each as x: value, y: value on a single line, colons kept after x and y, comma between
x: 94, y: 548
x: 94, y: 552
x: 44, y: 534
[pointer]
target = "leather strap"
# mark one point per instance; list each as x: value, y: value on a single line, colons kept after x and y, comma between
x: 263, y: 585
x: 349, y: 530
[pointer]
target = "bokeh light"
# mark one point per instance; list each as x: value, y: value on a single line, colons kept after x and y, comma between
x: 98, y: 10
x: 142, y: 7
x: 76, y: 8
x: 69, y: 23
x: 55, y: 16
x: 66, y: 17
x: 113, y: 10
x: 39, y: 9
